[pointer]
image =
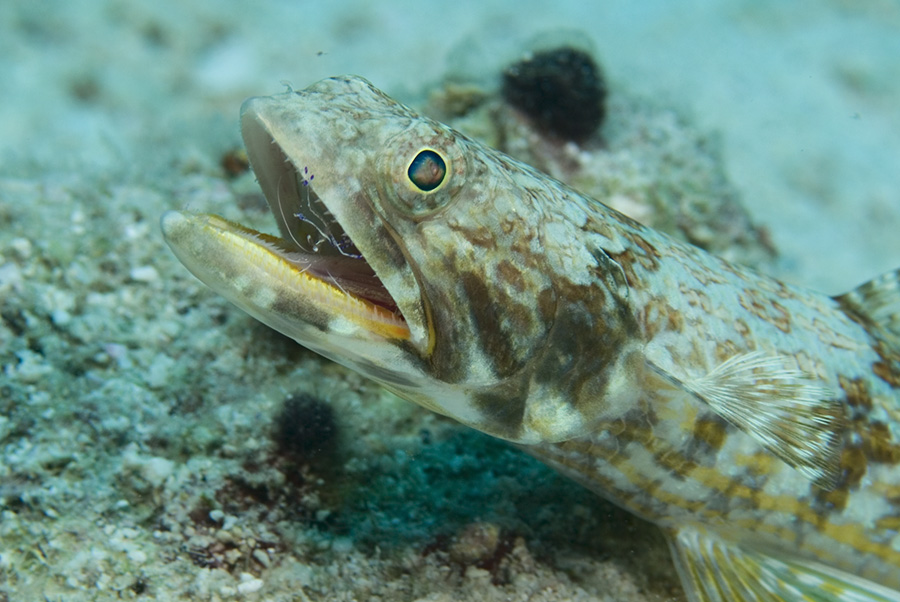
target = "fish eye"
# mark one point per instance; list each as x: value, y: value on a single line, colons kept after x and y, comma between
x: 422, y: 171
x: 427, y: 170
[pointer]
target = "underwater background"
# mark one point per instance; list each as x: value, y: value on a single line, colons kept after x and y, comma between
x: 157, y: 443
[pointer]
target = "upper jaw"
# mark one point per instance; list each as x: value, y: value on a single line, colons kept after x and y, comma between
x: 332, y: 231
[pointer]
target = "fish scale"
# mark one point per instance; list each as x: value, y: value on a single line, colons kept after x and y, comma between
x: 757, y: 423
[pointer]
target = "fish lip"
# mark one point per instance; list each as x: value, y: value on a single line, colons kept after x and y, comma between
x: 319, y: 237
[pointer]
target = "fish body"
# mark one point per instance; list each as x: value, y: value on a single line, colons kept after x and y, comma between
x: 758, y: 424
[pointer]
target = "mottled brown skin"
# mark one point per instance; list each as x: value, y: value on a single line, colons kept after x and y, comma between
x: 535, y: 315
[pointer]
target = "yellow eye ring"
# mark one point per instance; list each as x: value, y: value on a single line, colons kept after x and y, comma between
x: 424, y: 169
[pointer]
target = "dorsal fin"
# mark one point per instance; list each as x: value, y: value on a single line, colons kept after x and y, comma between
x: 876, y: 303
x: 791, y: 415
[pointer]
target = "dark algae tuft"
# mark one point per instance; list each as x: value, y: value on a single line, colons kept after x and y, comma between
x: 305, y: 427
x: 561, y: 89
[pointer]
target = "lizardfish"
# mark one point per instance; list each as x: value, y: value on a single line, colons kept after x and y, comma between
x: 757, y: 423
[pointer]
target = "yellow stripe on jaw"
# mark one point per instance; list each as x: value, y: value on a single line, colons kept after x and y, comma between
x: 238, y: 263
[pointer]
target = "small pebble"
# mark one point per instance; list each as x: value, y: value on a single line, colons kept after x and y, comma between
x: 144, y: 273
x: 249, y: 584
x: 261, y: 557
x: 477, y: 542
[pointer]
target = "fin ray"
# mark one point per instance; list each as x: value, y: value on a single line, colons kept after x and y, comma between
x: 788, y: 413
x: 714, y: 570
x: 877, y: 302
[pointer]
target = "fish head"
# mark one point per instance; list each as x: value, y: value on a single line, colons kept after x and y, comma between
x: 448, y: 272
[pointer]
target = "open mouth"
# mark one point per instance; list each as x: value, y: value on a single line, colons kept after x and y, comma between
x: 312, y: 239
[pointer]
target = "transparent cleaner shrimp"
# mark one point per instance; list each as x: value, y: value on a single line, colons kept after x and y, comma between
x: 343, y: 244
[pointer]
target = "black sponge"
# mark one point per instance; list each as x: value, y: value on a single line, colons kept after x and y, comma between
x: 305, y: 426
x: 562, y: 90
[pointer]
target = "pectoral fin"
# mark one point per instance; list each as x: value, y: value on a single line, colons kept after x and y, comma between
x: 781, y: 407
x: 715, y: 570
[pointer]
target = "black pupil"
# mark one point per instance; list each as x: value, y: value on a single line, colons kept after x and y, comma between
x: 427, y: 170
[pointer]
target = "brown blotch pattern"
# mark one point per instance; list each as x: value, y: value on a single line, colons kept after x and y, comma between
x: 505, y: 405
x: 856, y: 391
x: 658, y: 315
x: 853, y: 466
x: 695, y: 298
x: 509, y: 274
x: 741, y: 328
x: 727, y: 349
x: 487, y: 318
x: 711, y: 431
x: 649, y: 259
x: 888, y: 371
x: 878, y: 444
x: 891, y: 522
x: 546, y: 305
x: 766, y: 309
x: 480, y: 237
x: 883, y: 343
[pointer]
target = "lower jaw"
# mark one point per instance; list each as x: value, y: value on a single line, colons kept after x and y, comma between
x: 280, y: 287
